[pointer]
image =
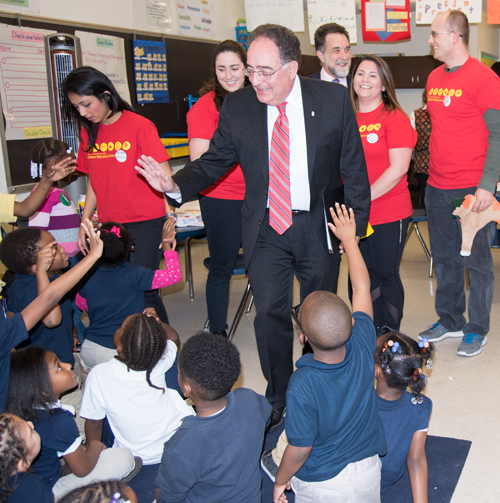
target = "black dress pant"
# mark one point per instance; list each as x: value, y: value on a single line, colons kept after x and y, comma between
x: 274, y: 262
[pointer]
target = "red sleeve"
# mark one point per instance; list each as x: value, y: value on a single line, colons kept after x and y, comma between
x: 151, y: 145
x: 203, y: 118
x: 399, y: 131
x: 172, y: 273
x: 81, y: 160
x: 488, y: 94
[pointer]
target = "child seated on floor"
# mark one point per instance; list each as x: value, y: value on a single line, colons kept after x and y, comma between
x: 115, y: 289
x: 109, y: 491
x: 214, y: 456
x: 398, y: 365
x: 22, y: 251
x: 333, y: 427
x: 130, y: 389
x: 37, y: 380
x: 19, y: 446
x: 57, y: 214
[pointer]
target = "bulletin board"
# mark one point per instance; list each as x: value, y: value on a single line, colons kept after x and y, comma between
x: 189, y: 64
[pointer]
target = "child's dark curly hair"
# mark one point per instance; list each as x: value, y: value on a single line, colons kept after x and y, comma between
x: 143, y: 344
x: 403, y: 368
x: 118, y: 242
x: 48, y: 149
x: 210, y: 363
x: 19, y: 249
x: 98, y: 492
x: 30, y: 387
x: 12, y: 450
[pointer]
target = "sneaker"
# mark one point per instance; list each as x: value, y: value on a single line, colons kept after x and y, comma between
x: 135, y: 471
x: 437, y: 332
x: 268, y: 464
x: 471, y: 345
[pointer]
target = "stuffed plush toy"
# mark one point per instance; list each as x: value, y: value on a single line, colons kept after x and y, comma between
x: 472, y: 222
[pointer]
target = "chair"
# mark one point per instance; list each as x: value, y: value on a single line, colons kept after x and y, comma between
x: 419, y: 215
x: 246, y: 300
x: 187, y: 234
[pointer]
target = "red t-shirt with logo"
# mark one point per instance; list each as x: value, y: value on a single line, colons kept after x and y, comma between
x: 202, y: 122
x: 456, y: 102
x: 381, y: 131
x: 123, y: 195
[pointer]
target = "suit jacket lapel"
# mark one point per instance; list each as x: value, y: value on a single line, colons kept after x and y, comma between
x: 312, y: 118
x: 258, y: 131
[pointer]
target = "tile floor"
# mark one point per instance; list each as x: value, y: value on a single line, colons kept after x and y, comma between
x: 464, y: 390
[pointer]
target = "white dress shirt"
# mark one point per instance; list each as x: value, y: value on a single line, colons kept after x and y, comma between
x: 326, y: 76
x: 299, y: 174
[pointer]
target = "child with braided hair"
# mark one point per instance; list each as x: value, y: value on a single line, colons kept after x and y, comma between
x: 19, y: 446
x: 115, y: 289
x: 109, y: 491
x: 130, y: 390
x: 399, y: 362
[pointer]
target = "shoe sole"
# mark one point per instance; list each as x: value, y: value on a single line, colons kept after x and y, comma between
x: 479, y: 351
x: 137, y: 468
x: 452, y: 335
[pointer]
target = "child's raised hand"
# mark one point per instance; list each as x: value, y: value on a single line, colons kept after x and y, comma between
x: 344, y: 224
x: 60, y: 170
x: 45, y: 257
x: 93, y: 238
x: 168, y: 235
x: 150, y: 312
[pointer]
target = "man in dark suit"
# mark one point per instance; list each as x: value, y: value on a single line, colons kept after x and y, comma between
x: 324, y: 150
x: 333, y: 49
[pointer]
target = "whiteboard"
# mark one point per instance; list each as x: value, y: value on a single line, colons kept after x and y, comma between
x: 342, y: 12
x: 23, y: 83
x: 288, y: 13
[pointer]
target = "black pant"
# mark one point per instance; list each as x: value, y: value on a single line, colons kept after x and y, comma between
x: 382, y: 253
x: 273, y: 264
x: 147, y: 236
x: 222, y: 219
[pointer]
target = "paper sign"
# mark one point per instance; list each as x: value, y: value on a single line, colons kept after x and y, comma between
x: 426, y: 10
x: 289, y: 13
x: 320, y: 12
x: 375, y: 16
x: 195, y: 18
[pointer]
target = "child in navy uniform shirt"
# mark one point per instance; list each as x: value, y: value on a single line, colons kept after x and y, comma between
x: 334, y: 431
x: 214, y: 456
x: 19, y: 252
x: 398, y: 365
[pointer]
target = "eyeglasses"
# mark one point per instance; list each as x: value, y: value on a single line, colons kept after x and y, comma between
x: 295, y: 315
x: 263, y: 74
x: 435, y: 33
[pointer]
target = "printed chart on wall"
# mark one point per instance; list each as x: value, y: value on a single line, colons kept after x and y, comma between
x: 106, y: 54
x: 21, y: 5
x: 195, y: 18
x: 150, y: 69
x: 385, y: 20
x: 426, y: 10
x: 23, y: 85
x: 289, y: 13
x: 343, y: 12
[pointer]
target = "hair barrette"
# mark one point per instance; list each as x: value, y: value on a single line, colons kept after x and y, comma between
x: 69, y: 150
x: 428, y: 364
x: 384, y: 347
x: 395, y: 347
x: 423, y: 345
x: 36, y: 169
x: 416, y: 374
x: 117, y: 498
x: 417, y: 400
x: 114, y: 230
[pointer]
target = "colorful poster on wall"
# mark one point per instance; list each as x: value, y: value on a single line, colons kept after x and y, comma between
x: 289, y: 13
x: 343, y: 12
x: 21, y: 5
x: 23, y: 83
x: 150, y: 70
x: 195, y: 18
x: 426, y: 10
x: 493, y: 11
x: 385, y: 20
x: 107, y: 54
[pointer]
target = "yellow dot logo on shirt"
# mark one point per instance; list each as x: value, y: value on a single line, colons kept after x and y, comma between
x: 377, y: 126
x: 458, y: 93
x: 126, y: 145
x: 445, y: 92
x: 103, y: 147
x: 451, y: 93
x: 440, y: 91
x: 118, y: 145
x: 362, y: 129
x: 370, y: 127
x: 111, y: 145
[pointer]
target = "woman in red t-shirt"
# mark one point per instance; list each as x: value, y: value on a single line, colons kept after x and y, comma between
x: 388, y: 139
x: 112, y: 138
x: 221, y: 203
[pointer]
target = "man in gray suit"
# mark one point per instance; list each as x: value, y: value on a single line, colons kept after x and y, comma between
x: 333, y: 49
x: 324, y: 150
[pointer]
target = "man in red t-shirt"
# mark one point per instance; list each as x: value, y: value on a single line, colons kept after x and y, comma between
x: 463, y: 100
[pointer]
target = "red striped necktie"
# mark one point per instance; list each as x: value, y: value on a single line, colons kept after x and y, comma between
x: 280, y: 203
